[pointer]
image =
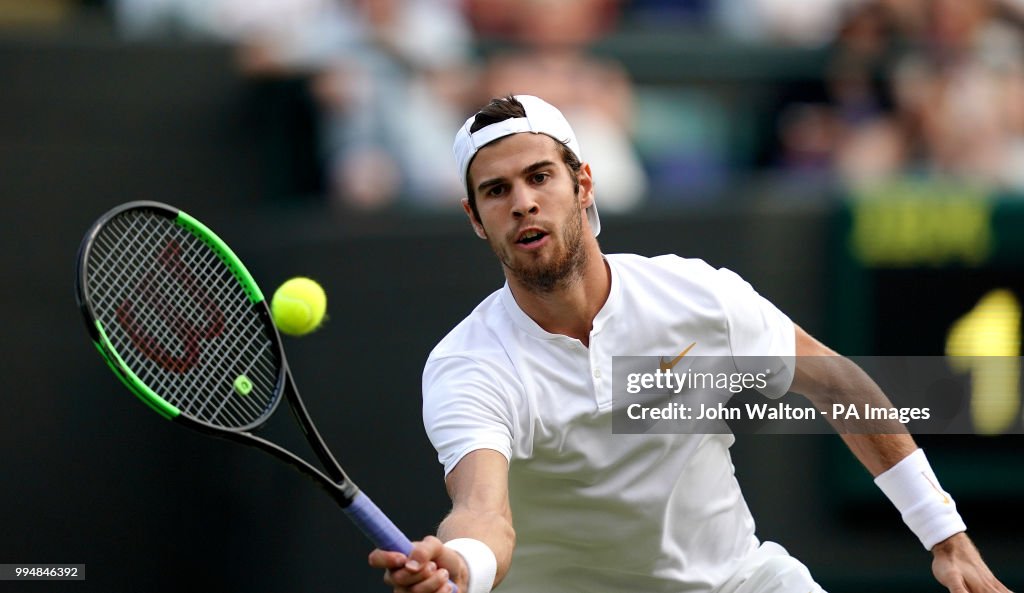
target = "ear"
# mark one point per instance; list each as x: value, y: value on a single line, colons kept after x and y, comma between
x: 586, y: 186
x: 477, y: 227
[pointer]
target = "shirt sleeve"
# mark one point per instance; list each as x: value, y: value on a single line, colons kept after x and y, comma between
x: 465, y: 409
x: 761, y: 337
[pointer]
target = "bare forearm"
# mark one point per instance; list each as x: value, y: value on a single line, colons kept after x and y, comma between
x: 826, y: 379
x: 879, y: 452
x: 481, y: 511
x: 493, y: 529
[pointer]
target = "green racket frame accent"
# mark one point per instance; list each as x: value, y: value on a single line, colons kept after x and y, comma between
x: 222, y: 250
x: 102, y: 341
x: 331, y: 477
x: 131, y: 380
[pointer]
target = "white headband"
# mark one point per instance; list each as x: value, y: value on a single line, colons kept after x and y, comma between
x: 541, y: 118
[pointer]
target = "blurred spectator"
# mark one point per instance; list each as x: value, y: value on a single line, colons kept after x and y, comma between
x: 950, y: 102
x: 551, y: 60
x: 926, y: 87
x: 790, y: 22
x: 505, y: 20
x: 368, y: 62
x: 960, y: 93
x: 809, y: 133
x: 274, y: 35
x: 391, y: 101
x: 279, y: 45
x: 851, y: 129
x: 656, y: 14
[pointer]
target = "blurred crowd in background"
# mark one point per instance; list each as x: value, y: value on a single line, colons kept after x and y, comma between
x: 929, y: 89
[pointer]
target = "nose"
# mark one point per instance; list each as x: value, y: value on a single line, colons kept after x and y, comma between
x: 524, y: 202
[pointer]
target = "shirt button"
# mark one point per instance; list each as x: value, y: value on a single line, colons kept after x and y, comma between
x: 597, y: 373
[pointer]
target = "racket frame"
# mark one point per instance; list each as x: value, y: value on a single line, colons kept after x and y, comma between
x: 359, y: 508
x: 335, y: 481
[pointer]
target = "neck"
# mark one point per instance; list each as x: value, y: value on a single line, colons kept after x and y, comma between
x: 569, y: 309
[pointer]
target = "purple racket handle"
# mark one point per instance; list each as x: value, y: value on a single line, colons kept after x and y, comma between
x: 375, y: 524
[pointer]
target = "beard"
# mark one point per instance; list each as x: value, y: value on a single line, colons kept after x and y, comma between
x: 565, y: 267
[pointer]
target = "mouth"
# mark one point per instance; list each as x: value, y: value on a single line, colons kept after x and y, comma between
x: 531, y: 237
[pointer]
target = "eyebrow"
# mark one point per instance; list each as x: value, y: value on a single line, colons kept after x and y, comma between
x: 499, y: 180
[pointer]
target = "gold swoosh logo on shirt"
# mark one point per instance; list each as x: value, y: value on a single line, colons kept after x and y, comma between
x: 668, y: 366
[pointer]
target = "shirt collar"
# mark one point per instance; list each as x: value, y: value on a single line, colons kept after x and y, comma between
x: 528, y: 325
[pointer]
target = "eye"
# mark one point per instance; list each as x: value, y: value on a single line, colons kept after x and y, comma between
x: 495, y: 191
x: 539, y: 177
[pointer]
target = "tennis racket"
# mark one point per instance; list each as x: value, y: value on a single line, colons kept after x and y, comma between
x: 182, y: 323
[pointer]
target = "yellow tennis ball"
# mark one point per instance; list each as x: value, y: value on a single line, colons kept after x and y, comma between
x: 298, y: 306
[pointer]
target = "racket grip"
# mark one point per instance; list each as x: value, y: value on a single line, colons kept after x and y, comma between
x: 382, y: 531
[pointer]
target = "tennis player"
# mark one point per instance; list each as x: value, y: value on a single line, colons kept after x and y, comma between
x: 517, y: 401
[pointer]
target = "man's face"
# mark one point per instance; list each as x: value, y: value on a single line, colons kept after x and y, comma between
x: 529, y: 211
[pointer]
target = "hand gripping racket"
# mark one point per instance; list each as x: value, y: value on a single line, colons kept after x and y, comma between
x: 182, y: 323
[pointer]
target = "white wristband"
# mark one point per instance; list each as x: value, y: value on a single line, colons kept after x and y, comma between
x: 480, y: 562
x: 927, y: 509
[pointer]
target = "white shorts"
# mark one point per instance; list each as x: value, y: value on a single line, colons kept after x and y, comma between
x: 770, y: 569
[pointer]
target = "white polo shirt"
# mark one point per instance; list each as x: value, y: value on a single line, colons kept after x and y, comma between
x: 594, y: 511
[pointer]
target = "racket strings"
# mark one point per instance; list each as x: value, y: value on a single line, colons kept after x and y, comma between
x: 182, y: 322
